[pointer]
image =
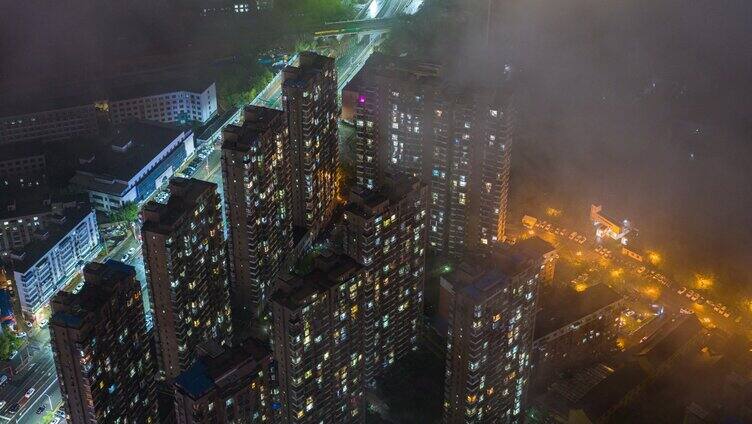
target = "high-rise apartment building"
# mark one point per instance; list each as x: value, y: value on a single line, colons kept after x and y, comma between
x: 309, y: 96
x: 185, y: 261
x: 105, y: 364
x: 385, y: 231
x: 226, y: 385
x: 256, y: 177
x: 457, y: 139
x: 489, y: 305
x: 318, y: 325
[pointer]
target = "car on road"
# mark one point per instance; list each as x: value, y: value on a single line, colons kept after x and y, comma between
x: 30, y: 392
x: 3, y: 379
x: 2, y: 404
x: 22, y: 334
x: 43, y: 323
x: 125, y: 258
x: 14, y: 408
x: 41, y: 408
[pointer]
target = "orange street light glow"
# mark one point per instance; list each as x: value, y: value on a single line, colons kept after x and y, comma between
x: 553, y: 212
x: 703, y: 282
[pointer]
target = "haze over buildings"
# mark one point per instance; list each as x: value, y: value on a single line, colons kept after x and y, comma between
x: 342, y: 242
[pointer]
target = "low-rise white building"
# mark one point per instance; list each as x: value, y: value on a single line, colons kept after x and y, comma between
x: 42, y: 116
x: 44, y: 266
x: 133, y: 162
x: 194, y: 103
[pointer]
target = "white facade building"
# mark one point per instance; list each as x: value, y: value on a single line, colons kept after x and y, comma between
x: 176, y: 106
x: 45, y: 265
x: 137, y: 160
x: 68, y: 116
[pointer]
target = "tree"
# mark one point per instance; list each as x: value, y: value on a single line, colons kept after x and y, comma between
x: 4, y: 347
x: 128, y: 213
x: 48, y: 417
x: 8, y: 343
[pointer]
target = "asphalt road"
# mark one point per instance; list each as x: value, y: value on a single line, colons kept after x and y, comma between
x: 635, y: 284
x: 40, y: 374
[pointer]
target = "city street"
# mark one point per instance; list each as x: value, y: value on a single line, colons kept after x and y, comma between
x: 623, y: 276
x: 40, y: 374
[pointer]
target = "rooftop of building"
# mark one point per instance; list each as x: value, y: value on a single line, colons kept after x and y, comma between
x: 404, y: 69
x: 26, y: 202
x: 661, y: 348
x: 428, y: 76
x: 257, y: 121
x: 101, y: 279
x: 535, y: 247
x: 329, y: 270
x: 164, y: 218
x: 366, y: 203
x: 222, y: 368
x: 127, y: 149
x: 310, y: 65
x: 611, y: 390
x: 478, y: 276
x: 86, y: 95
x: 561, y: 307
x: 58, y: 226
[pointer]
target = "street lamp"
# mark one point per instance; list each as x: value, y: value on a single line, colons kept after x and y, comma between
x: 49, y: 399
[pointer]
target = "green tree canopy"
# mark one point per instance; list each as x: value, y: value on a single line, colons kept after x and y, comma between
x: 127, y: 213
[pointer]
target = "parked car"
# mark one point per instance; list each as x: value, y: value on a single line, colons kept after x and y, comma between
x: 30, y: 392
